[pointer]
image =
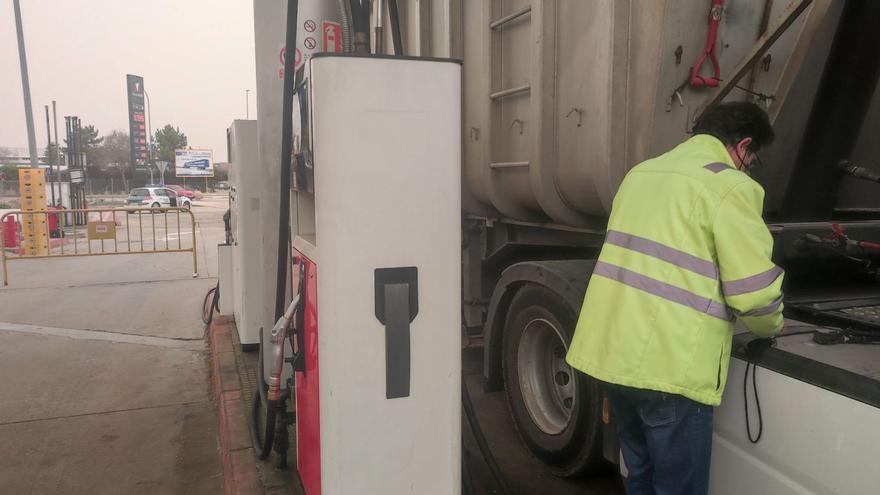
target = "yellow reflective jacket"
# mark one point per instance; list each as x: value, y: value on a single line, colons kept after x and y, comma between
x: 686, y: 253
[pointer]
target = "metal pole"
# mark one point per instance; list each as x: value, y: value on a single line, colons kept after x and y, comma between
x: 25, y: 87
x: 247, y: 110
x: 81, y: 164
x: 149, y: 133
x: 3, y: 255
x: 49, y: 151
x: 192, y: 219
x: 70, y: 190
x: 57, y: 174
x: 379, y: 15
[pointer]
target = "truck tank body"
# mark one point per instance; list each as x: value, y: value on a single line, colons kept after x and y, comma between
x: 562, y: 97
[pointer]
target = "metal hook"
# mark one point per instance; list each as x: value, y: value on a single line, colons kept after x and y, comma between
x: 520, y: 122
x: 580, y: 113
x: 674, y: 96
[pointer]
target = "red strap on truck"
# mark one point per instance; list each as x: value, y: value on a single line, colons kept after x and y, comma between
x: 698, y: 81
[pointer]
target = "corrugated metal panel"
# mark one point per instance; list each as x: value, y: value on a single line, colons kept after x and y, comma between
x: 562, y: 97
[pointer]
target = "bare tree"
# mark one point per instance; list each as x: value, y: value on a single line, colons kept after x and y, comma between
x: 112, y: 156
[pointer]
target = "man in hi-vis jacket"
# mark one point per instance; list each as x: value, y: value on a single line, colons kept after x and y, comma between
x: 686, y: 254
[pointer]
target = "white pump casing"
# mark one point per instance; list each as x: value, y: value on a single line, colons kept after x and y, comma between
x: 385, y: 137
x: 247, y: 260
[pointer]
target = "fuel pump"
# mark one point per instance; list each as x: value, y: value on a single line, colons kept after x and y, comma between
x: 375, y: 227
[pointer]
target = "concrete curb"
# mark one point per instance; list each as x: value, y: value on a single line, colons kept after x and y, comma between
x: 236, y: 452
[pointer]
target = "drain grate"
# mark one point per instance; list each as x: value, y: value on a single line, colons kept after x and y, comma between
x: 248, y: 377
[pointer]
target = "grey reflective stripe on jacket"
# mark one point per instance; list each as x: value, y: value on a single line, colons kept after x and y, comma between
x: 753, y: 283
x: 662, y: 252
x: 662, y: 290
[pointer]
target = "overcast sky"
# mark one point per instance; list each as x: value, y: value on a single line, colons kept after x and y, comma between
x: 196, y: 57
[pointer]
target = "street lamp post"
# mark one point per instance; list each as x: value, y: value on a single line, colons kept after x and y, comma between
x: 25, y: 86
x: 149, y: 133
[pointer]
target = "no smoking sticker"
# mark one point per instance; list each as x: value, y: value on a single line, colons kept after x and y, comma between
x: 310, y: 26
x: 282, y: 57
x: 310, y: 43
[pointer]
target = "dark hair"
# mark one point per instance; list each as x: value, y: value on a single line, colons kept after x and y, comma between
x: 732, y: 122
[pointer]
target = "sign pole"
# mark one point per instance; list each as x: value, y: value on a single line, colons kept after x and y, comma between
x: 161, y: 166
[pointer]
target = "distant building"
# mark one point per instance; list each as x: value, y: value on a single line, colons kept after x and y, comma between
x: 20, y: 157
x: 221, y: 170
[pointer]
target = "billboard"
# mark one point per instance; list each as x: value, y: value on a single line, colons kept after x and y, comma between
x: 194, y: 163
x: 137, y: 130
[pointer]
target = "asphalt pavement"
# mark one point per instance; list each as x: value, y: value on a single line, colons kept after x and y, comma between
x: 105, y: 376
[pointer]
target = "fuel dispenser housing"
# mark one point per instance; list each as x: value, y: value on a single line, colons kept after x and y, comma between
x: 376, y: 218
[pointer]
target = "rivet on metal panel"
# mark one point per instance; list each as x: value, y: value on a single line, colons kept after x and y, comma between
x: 580, y: 112
x: 521, y: 124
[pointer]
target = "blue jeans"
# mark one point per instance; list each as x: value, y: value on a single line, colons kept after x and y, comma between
x: 665, y: 439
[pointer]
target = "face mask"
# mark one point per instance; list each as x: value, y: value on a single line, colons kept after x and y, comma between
x: 748, y: 168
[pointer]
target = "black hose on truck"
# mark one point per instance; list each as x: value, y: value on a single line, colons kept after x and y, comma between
x: 262, y: 441
x: 211, y: 304
x: 474, y: 423
x: 394, y: 21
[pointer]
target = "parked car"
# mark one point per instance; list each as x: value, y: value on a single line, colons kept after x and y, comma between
x: 221, y: 186
x: 181, y: 191
x: 157, y: 197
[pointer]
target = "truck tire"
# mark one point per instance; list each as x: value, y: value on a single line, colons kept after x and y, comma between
x: 556, y: 409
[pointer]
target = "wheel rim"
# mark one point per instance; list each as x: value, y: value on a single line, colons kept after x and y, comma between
x: 545, y: 379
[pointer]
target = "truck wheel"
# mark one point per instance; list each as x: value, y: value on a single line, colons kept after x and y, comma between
x: 556, y: 409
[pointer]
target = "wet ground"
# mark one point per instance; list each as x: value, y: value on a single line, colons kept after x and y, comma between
x: 106, y: 382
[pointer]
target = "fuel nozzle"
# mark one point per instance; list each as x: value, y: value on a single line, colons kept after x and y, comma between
x: 858, y: 172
